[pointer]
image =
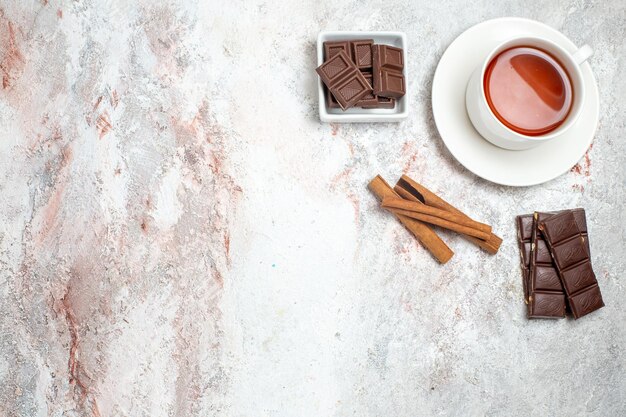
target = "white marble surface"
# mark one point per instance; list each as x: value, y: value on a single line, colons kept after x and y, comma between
x: 180, y: 236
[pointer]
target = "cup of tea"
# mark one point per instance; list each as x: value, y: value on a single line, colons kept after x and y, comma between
x: 527, y: 91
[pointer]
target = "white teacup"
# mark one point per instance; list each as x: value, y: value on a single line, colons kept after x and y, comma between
x: 492, y: 129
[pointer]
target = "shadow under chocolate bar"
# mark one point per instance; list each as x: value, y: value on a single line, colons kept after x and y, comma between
x: 571, y: 256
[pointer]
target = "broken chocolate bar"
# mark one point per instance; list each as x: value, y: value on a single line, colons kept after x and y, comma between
x: 546, y: 298
x: 391, y: 84
x: 571, y: 256
x: 524, y: 236
x: 388, y: 64
x: 344, y: 80
x: 545, y: 293
x: 389, y: 57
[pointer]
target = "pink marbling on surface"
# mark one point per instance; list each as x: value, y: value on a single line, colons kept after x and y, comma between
x: 180, y: 236
x: 123, y: 198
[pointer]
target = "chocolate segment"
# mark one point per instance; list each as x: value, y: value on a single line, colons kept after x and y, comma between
x: 548, y: 305
x: 368, y: 99
x: 543, y: 280
x: 388, y: 64
x: 335, y: 68
x: 390, y: 57
x: 391, y: 84
x: 346, y: 83
x: 569, y: 249
x: 333, y: 48
x: 362, y: 53
x: 586, y: 301
x: 351, y: 90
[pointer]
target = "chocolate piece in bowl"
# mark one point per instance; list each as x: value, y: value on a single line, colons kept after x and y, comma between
x: 344, y: 80
x: 391, y: 84
x: 369, y: 99
x: 362, y: 53
x: 333, y: 48
x: 351, y: 90
x: 388, y: 64
x: 389, y: 57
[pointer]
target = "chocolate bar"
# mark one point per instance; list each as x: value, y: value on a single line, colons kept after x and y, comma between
x: 543, y: 261
x: 546, y: 298
x: 388, y: 64
x: 344, y: 80
x: 524, y: 236
x: 571, y: 256
x: 330, y: 50
x: 391, y: 84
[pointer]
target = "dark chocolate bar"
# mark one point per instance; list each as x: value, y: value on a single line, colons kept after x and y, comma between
x: 546, y: 298
x: 388, y: 64
x: 571, y: 257
x: 391, y: 84
x: 525, y: 227
x: 344, y: 80
x: 524, y: 236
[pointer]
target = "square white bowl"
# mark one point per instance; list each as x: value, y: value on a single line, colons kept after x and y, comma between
x: 355, y: 114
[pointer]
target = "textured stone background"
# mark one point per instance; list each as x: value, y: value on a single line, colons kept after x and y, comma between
x: 180, y: 236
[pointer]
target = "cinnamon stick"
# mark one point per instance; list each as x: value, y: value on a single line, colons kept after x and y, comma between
x: 399, y: 203
x: 412, y: 190
x: 424, y: 234
x: 455, y: 227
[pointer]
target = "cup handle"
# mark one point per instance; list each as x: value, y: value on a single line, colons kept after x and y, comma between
x: 582, y: 54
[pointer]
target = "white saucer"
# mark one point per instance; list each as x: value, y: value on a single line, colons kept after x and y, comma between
x: 514, y: 168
